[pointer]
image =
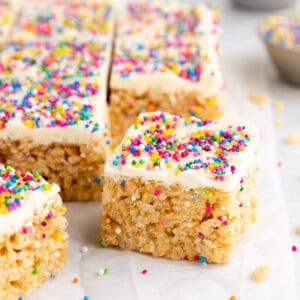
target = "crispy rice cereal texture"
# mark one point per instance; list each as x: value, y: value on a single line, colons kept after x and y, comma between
x: 178, y: 224
x: 33, y: 254
x: 77, y: 169
x: 181, y: 187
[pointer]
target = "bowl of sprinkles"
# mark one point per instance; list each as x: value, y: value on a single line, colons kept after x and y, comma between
x: 281, y: 34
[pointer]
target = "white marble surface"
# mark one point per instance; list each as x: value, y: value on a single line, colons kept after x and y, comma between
x: 246, y: 68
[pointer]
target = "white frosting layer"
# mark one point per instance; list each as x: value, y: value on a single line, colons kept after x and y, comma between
x: 34, y: 202
x: 190, y: 178
x: 75, y: 134
x: 132, y: 31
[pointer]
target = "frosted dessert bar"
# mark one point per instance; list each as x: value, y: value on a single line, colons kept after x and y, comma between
x: 181, y: 187
x: 32, y: 232
x: 59, y: 129
x: 53, y: 89
x: 166, y: 58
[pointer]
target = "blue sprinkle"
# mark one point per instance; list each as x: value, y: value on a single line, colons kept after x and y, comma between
x: 202, y: 260
x: 195, y: 197
x: 123, y: 183
x: 97, y: 179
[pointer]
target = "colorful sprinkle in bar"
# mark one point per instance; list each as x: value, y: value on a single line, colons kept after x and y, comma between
x: 87, y: 20
x: 166, y: 57
x: 32, y: 231
x: 181, y: 187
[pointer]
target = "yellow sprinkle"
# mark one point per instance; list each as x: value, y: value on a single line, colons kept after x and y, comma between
x: 58, y: 237
x: 258, y: 98
x: 279, y: 122
x: 279, y: 105
x: 107, y: 220
x: 47, y: 186
x: 63, y: 209
x: 253, y: 219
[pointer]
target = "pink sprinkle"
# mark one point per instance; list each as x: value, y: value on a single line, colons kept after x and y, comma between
x: 225, y: 222
x: 156, y: 192
x: 164, y: 223
x: 144, y: 271
x: 201, y: 236
x: 25, y: 230
x: 279, y: 164
x: 294, y: 248
x: 208, y: 209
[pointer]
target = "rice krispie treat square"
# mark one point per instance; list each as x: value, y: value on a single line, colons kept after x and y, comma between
x: 59, y: 129
x: 53, y: 89
x: 166, y: 58
x: 181, y: 187
x: 32, y: 232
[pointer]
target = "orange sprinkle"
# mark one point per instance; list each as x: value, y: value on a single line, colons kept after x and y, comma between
x: 75, y: 280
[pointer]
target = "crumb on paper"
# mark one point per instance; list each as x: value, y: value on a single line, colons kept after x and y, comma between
x: 279, y: 122
x: 258, y: 98
x: 261, y: 273
x: 293, y: 139
x: 298, y: 229
x: 279, y: 105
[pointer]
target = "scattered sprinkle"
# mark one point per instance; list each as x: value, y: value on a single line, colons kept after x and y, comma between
x: 279, y: 105
x: 118, y: 230
x: 233, y: 298
x: 104, y: 271
x: 144, y: 271
x: 294, y: 248
x: 75, y: 280
x: 279, y: 122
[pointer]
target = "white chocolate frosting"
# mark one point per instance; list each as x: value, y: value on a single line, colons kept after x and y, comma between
x: 22, y: 198
x: 167, y: 45
x: 189, y: 151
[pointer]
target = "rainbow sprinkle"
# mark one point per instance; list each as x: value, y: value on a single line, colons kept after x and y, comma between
x: 47, y: 103
x: 86, y: 19
x: 155, y: 146
x: 283, y: 30
x: 13, y: 186
x: 155, y: 38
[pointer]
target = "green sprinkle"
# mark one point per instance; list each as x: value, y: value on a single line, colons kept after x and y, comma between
x: 102, y: 245
x: 35, y: 272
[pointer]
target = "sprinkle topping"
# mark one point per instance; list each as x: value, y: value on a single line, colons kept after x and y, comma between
x: 283, y: 29
x: 13, y: 186
x: 156, y: 38
x: 47, y: 103
x: 159, y: 141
